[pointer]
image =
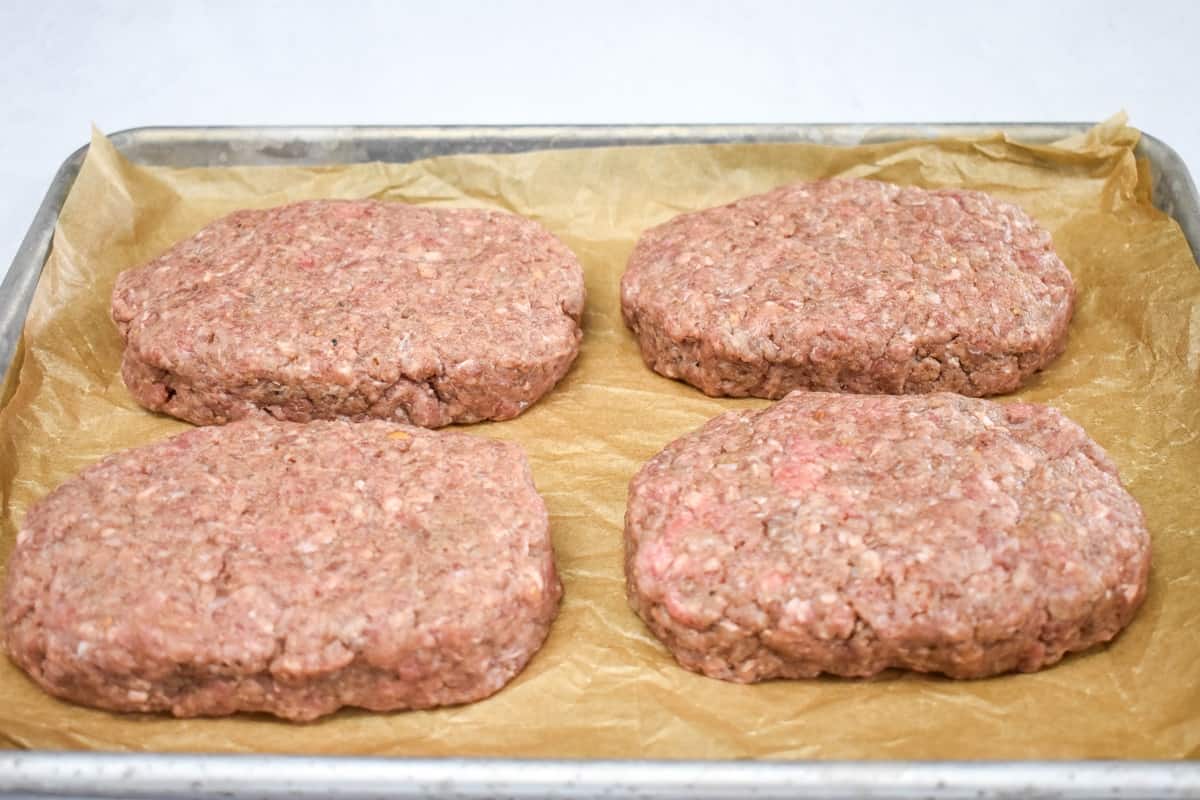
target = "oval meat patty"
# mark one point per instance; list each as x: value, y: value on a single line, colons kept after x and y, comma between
x: 849, y: 285
x: 848, y: 534
x: 356, y: 309
x: 285, y: 568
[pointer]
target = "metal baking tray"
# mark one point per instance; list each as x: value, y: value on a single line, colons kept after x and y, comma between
x: 156, y: 775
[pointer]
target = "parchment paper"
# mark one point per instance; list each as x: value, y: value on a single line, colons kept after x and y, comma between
x: 602, y: 686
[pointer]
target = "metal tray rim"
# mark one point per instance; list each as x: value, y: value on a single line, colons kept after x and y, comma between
x: 201, y: 776
x: 53, y: 773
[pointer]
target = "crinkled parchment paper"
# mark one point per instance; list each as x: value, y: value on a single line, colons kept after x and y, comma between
x: 602, y: 686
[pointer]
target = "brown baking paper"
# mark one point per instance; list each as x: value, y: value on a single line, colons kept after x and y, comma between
x: 602, y: 686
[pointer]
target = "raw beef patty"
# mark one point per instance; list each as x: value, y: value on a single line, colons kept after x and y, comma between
x: 849, y: 285
x: 847, y: 534
x: 355, y: 309
x: 286, y: 568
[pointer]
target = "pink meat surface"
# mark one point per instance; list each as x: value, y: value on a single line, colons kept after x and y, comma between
x: 292, y: 569
x: 848, y: 534
x: 849, y: 285
x: 356, y: 309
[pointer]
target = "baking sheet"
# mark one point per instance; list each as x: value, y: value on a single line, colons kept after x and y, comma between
x: 602, y: 686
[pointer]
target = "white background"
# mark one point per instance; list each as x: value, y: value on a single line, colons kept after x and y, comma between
x: 65, y: 65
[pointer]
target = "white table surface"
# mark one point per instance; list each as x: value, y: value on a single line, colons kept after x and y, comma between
x: 125, y: 64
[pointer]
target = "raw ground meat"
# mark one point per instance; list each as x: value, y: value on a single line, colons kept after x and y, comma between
x: 286, y: 568
x: 849, y: 285
x: 847, y: 534
x: 356, y: 309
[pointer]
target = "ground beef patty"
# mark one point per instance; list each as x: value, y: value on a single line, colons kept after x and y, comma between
x: 354, y: 309
x: 849, y: 285
x: 292, y: 569
x: 849, y: 534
